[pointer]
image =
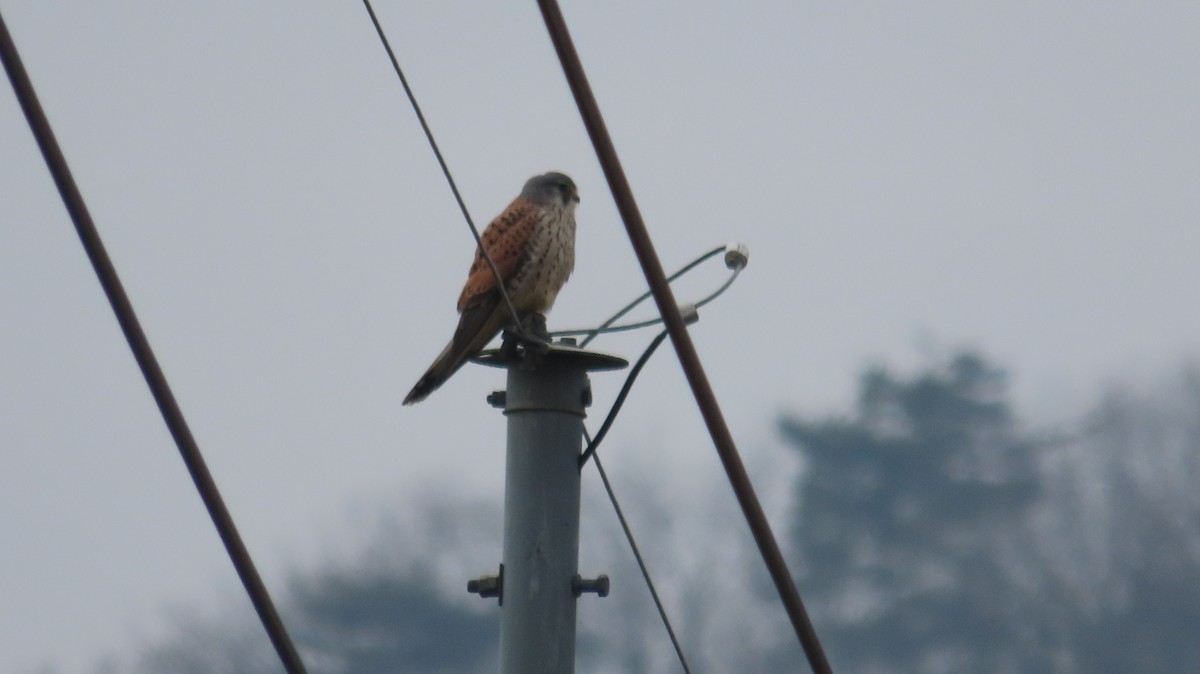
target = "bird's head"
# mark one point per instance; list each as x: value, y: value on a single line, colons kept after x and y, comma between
x: 551, y: 189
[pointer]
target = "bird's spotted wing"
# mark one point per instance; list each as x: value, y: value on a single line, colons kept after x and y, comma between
x: 505, y: 239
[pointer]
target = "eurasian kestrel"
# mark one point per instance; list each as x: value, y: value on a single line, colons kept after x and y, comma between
x: 533, y: 245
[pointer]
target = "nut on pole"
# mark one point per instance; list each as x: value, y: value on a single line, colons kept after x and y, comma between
x: 488, y: 586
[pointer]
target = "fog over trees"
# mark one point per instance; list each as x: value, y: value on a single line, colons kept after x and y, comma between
x: 929, y: 530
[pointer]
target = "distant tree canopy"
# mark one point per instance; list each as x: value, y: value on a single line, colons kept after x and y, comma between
x: 906, y: 518
x: 929, y: 533
x: 928, y: 539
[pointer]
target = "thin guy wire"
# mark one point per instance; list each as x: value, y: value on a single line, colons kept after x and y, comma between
x: 685, y: 349
x: 172, y: 415
x: 462, y: 206
x: 637, y: 554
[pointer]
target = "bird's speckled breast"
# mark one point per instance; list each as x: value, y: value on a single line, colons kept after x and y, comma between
x: 549, y: 262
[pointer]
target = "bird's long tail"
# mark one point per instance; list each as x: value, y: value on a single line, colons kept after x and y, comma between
x: 441, y: 369
x: 471, y: 336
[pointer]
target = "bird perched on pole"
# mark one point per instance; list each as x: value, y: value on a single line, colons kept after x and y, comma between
x: 533, y: 246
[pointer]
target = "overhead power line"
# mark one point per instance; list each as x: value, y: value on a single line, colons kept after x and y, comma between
x: 155, y: 379
x: 462, y: 206
x: 689, y: 359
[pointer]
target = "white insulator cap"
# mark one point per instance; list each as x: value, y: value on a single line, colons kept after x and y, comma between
x: 689, y: 312
x: 737, y: 255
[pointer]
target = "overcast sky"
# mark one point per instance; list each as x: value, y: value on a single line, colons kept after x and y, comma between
x: 909, y: 177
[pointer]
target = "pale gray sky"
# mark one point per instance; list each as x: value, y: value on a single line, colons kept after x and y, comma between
x: 1020, y: 176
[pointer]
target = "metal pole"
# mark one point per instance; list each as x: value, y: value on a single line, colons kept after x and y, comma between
x: 539, y: 581
x: 541, y: 518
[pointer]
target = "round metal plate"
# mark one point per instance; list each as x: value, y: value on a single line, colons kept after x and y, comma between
x: 591, y: 361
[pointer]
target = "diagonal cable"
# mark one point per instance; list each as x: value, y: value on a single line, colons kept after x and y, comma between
x: 167, y: 405
x: 637, y: 555
x: 689, y: 358
x: 462, y: 206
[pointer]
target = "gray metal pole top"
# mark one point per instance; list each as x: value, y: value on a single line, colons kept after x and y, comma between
x: 547, y: 394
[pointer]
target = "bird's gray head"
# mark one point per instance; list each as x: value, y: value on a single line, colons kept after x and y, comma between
x: 551, y: 189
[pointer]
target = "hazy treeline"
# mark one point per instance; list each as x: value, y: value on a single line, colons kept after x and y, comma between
x: 929, y: 531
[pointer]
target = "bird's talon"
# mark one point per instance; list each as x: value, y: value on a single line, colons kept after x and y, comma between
x: 537, y: 328
x: 511, y: 342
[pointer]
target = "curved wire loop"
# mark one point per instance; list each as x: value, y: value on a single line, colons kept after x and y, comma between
x: 736, y: 258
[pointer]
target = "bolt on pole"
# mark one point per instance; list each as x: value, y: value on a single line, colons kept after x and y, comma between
x: 539, y: 583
